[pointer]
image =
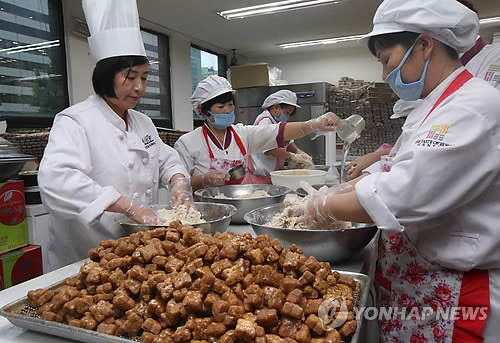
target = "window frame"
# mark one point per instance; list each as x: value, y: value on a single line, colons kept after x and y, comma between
x: 44, y: 121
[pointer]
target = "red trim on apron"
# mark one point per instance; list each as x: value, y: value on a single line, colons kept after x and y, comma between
x: 474, y: 295
x: 238, y: 143
x: 250, y: 177
x: 459, y: 81
x: 480, y: 44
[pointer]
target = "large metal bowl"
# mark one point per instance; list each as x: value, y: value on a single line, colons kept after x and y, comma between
x: 11, y: 164
x: 277, y: 195
x: 325, y: 245
x: 217, y: 217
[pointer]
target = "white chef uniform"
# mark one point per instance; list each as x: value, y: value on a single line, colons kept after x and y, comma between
x: 93, y: 157
x: 483, y: 61
x: 193, y: 150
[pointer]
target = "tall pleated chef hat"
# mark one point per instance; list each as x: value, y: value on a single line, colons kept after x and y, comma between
x: 114, y: 28
x: 209, y: 88
x: 447, y: 21
x: 403, y: 108
x: 283, y: 96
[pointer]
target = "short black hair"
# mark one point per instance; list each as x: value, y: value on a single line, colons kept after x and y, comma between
x: 219, y: 99
x: 106, y: 69
x: 405, y: 38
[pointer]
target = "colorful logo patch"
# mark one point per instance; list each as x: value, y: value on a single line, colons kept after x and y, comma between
x: 434, y: 137
x: 148, y: 141
x: 493, y: 73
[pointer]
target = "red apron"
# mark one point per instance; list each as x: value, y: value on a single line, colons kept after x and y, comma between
x: 424, y: 293
x: 225, y: 164
x: 251, y: 177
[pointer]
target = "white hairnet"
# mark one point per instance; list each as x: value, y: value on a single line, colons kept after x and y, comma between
x: 209, y: 88
x: 283, y: 96
x: 447, y: 21
x: 403, y: 108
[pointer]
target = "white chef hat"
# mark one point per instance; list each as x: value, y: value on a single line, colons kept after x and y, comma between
x: 114, y: 28
x: 209, y: 88
x: 283, y: 96
x: 447, y: 21
x: 403, y: 108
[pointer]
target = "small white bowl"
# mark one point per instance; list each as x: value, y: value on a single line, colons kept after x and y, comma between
x: 291, y: 178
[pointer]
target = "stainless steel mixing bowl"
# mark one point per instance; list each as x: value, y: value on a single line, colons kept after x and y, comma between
x: 277, y: 195
x: 217, y: 217
x: 325, y: 245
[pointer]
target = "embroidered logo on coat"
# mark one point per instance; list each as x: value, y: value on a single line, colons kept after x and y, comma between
x: 148, y: 141
x: 434, y: 137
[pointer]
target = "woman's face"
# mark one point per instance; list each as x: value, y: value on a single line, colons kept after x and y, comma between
x: 286, y: 109
x: 129, y: 86
x: 226, y: 107
x: 411, y: 70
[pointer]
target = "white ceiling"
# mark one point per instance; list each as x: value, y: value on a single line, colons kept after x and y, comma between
x: 259, y: 36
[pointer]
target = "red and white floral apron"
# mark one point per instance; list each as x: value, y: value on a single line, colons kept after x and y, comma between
x: 251, y: 177
x: 426, y: 294
x: 225, y: 164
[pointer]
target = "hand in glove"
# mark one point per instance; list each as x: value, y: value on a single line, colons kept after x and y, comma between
x: 214, y: 178
x: 180, y: 191
x: 316, y: 213
x: 327, y: 122
x: 139, y: 213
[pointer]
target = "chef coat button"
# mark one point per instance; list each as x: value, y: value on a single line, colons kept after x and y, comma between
x: 145, y: 160
x: 130, y: 164
x: 148, y: 192
x: 136, y: 195
x: 122, y: 137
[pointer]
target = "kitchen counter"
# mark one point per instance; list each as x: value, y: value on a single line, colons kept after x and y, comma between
x: 12, y: 334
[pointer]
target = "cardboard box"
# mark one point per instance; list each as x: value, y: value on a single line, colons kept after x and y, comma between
x: 249, y: 75
x: 13, y: 223
x: 20, y: 265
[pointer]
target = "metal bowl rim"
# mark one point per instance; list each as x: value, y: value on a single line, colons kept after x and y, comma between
x: 285, y: 189
x: 281, y: 173
x: 364, y: 226
x: 232, y: 209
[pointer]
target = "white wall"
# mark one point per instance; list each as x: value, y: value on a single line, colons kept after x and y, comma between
x: 327, y: 65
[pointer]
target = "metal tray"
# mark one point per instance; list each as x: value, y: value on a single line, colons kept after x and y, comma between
x: 19, y: 313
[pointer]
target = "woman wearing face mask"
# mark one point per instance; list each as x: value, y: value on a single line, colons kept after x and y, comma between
x: 278, y: 107
x: 102, y: 156
x: 210, y: 151
x: 438, y: 207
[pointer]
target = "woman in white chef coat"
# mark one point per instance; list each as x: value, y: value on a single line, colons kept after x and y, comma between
x: 102, y: 156
x: 438, y: 207
x: 278, y: 107
x: 211, y: 150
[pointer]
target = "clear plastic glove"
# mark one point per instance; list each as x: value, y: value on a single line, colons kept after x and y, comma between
x: 315, y: 213
x: 214, y: 178
x: 327, y: 122
x: 355, y: 168
x: 180, y: 192
x: 139, y: 213
x: 301, y: 160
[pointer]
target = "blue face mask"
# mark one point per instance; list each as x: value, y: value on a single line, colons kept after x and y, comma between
x: 282, y: 117
x: 222, y: 120
x: 406, y: 91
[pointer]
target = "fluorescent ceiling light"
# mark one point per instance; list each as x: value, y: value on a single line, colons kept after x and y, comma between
x: 320, y: 42
x: 40, y: 45
x: 489, y: 20
x: 273, y: 7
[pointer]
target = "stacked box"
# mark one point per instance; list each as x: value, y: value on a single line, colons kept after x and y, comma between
x: 249, y: 75
x: 353, y: 97
x: 20, y: 265
x: 13, y: 223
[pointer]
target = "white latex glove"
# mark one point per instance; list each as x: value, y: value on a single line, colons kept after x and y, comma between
x: 214, y: 178
x: 315, y: 213
x: 327, y: 122
x: 139, y: 213
x: 180, y: 192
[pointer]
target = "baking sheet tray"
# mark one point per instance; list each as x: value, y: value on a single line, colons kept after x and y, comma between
x: 19, y: 313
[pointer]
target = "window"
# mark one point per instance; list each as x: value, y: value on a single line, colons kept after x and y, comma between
x: 156, y: 102
x: 33, y: 86
x: 203, y: 64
